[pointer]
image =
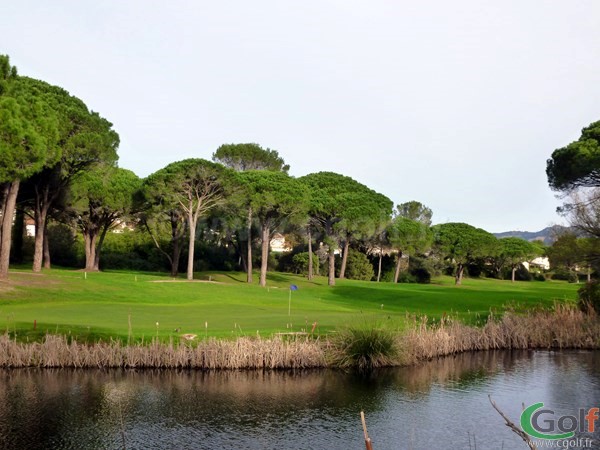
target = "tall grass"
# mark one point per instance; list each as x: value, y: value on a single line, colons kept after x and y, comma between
x: 243, y: 353
x: 362, y: 347
x: 561, y: 327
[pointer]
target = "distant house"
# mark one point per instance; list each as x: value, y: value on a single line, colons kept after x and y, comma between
x: 278, y: 244
x: 541, y: 262
x: 29, y: 227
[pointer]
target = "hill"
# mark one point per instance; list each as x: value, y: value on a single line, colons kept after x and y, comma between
x: 548, y: 235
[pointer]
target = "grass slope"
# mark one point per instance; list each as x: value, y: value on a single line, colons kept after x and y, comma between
x: 101, y: 305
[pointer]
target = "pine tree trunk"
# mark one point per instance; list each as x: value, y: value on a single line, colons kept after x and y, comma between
x: 310, y: 256
x: 249, y: 249
x: 344, y: 259
x: 89, y: 238
x: 264, y: 255
x: 99, y: 248
x: 18, y: 235
x: 379, y: 265
x: 40, y: 214
x: 459, y: 275
x: 398, y: 265
x: 47, y: 262
x: 331, y: 274
x: 175, y: 258
x: 191, y: 246
x: 7, y: 222
x: 514, y: 270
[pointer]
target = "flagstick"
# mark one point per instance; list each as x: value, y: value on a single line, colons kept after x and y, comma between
x: 290, y: 304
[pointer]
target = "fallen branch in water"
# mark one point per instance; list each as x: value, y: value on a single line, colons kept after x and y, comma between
x: 510, y: 424
x: 367, y: 438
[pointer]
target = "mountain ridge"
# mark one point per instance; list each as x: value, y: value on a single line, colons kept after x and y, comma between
x: 548, y: 235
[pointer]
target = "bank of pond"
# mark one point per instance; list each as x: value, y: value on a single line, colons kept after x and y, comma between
x: 365, y: 347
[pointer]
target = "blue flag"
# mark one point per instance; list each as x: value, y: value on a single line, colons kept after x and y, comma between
x: 293, y: 287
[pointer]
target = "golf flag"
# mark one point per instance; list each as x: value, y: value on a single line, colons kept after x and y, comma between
x: 293, y: 287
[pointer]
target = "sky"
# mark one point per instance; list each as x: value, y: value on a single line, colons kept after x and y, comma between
x: 455, y: 104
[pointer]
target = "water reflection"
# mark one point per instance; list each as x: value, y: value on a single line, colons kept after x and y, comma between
x: 441, y: 404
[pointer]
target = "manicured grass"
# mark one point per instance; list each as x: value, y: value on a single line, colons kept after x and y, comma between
x: 101, y: 305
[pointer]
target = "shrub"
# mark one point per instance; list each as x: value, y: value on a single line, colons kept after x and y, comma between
x: 589, y: 296
x: 522, y: 274
x: 566, y: 275
x: 358, y: 266
x: 406, y: 277
x: 422, y: 275
x: 300, y: 263
x: 364, y: 347
x: 538, y: 276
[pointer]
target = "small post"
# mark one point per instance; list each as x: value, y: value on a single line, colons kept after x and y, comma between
x: 368, y: 444
x: 35, y: 324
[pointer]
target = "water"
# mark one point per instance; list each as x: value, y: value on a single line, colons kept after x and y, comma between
x: 439, y: 405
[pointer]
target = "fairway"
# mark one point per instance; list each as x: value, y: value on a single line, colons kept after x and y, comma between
x: 121, y: 304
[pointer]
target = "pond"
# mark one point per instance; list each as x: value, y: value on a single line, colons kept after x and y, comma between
x: 442, y: 404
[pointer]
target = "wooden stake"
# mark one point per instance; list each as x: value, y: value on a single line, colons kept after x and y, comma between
x: 368, y: 444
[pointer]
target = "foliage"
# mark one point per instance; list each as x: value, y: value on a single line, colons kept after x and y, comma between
x: 300, y: 264
x: 364, y: 347
x: 100, y: 199
x: 589, y: 296
x: 512, y: 252
x: 359, y: 267
x: 63, y: 245
x: 567, y: 252
x: 28, y: 129
x: 577, y: 164
x: 416, y: 211
x: 242, y: 157
x: 408, y: 236
x: 462, y: 244
x: 340, y: 205
x: 273, y: 198
x: 193, y: 187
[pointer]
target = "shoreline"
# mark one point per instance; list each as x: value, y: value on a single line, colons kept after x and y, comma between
x: 561, y: 328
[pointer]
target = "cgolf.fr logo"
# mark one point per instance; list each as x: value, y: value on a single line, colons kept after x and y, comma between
x: 543, y: 423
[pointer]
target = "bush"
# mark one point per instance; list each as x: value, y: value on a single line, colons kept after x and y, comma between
x: 405, y: 277
x: 538, y: 276
x: 589, y: 296
x: 358, y: 266
x: 566, y: 275
x: 422, y: 275
x: 63, y: 245
x: 522, y: 274
x: 364, y: 348
x: 300, y: 263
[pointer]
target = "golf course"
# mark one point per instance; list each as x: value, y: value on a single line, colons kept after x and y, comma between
x: 140, y: 306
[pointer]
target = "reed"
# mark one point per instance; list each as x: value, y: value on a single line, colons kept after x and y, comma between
x: 365, y: 347
x: 562, y: 327
x: 243, y: 353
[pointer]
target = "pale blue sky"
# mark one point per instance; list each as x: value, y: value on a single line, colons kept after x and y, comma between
x: 455, y: 104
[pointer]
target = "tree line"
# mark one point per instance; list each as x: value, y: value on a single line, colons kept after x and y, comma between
x: 58, y: 162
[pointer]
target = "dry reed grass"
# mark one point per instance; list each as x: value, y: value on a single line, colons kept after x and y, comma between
x: 561, y: 328
x: 243, y: 353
